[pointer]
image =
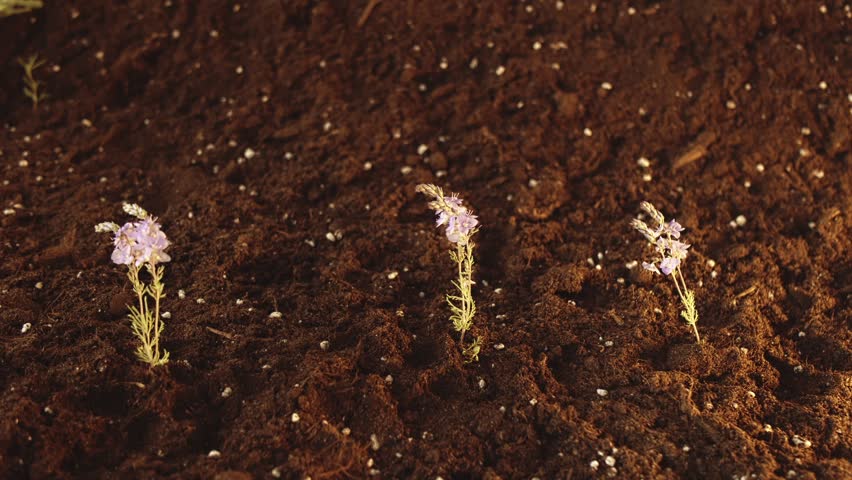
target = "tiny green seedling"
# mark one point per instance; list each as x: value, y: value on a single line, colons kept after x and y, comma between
x: 31, y: 85
x: 665, y: 239
x: 461, y: 226
x: 14, y: 7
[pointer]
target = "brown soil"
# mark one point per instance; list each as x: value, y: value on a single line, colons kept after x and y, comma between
x: 147, y: 104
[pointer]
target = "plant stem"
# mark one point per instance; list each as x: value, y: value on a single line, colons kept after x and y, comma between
x: 140, y: 294
x: 460, y: 257
x: 679, y: 273
x: 158, y: 290
x: 463, y: 314
x: 677, y: 285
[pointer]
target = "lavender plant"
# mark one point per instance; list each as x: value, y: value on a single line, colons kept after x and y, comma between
x: 461, y: 225
x: 141, y: 245
x: 672, y: 252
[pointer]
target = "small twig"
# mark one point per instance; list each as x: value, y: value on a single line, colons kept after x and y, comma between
x: 747, y: 291
x: 744, y: 293
x: 615, y: 317
x: 695, y: 151
x: 229, y: 336
x: 365, y: 15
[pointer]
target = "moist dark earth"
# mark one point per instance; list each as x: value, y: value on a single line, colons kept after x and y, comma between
x: 279, y: 143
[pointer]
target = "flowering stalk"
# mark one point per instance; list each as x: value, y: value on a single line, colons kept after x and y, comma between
x: 672, y: 252
x: 461, y: 226
x: 141, y: 245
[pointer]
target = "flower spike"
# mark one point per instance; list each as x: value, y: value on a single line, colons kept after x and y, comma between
x: 135, y: 210
x: 460, y: 225
x: 664, y: 237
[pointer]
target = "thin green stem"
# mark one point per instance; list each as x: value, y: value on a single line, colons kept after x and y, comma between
x: 462, y: 305
x: 140, y: 295
x: 460, y: 256
x: 677, y: 285
x: 155, y: 290
x: 145, y: 319
x: 682, y: 280
x: 689, y: 304
x: 697, y: 336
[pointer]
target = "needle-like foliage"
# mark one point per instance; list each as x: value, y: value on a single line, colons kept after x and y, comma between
x: 31, y: 85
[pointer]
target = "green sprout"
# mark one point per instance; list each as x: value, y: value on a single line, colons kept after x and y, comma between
x: 31, y: 85
x: 14, y: 7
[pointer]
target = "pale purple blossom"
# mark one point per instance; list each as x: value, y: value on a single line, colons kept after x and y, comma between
x: 443, y: 217
x: 676, y: 249
x: 138, y: 243
x: 459, y: 227
x: 151, y: 241
x: 651, y: 267
x: 672, y: 228
x: 663, y: 237
x: 124, y: 252
x: 450, y: 212
x: 672, y: 252
x: 450, y: 207
x: 669, y: 264
x: 455, y: 203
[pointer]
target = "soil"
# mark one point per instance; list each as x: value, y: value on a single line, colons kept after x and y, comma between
x: 537, y: 114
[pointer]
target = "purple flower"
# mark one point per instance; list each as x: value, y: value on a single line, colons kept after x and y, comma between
x: 678, y: 249
x: 455, y: 203
x: 667, y: 247
x: 450, y: 212
x: 152, y: 241
x: 141, y: 242
x: 669, y: 264
x: 672, y: 228
x: 459, y: 227
x: 651, y: 267
x: 452, y: 206
x: 123, y: 241
x: 672, y: 248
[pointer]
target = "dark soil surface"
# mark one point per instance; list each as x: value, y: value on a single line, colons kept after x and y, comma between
x: 537, y: 114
